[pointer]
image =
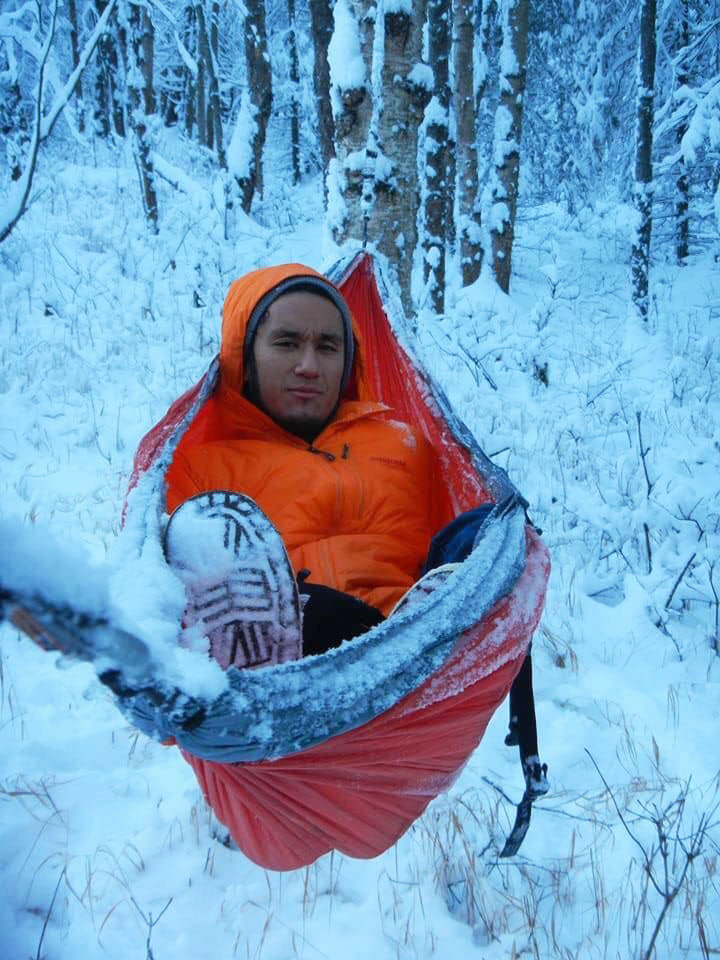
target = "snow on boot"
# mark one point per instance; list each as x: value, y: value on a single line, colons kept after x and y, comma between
x: 240, y: 586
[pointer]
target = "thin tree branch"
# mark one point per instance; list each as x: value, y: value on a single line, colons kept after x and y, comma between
x: 643, y: 453
x: 679, y: 581
x: 617, y: 808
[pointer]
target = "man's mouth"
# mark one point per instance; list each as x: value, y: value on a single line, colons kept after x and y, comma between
x: 305, y: 392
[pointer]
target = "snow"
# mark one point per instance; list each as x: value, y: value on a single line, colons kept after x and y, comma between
x: 103, y: 828
x: 703, y: 126
x: 187, y: 59
x: 240, y: 156
x: 398, y: 6
x: 422, y: 76
x: 347, y: 68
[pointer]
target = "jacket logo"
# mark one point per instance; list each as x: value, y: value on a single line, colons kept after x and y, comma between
x: 391, y: 461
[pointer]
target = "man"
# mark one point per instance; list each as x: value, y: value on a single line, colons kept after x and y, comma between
x: 303, y: 513
x: 355, y: 495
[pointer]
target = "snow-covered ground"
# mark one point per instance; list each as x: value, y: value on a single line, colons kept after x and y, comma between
x: 611, y: 431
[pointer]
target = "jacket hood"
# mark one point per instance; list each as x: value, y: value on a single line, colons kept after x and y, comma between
x: 250, y: 296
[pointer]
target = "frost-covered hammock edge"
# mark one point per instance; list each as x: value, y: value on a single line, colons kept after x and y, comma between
x: 345, y: 750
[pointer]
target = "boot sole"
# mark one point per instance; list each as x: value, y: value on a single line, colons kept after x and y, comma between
x: 251, y: 616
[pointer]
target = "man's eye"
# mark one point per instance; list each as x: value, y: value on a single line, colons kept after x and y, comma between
x: 285, y: 343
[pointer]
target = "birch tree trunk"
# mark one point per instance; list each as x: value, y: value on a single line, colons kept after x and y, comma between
x: 469, y: 225
x: 438, y: 190
x: 351, y: 96
x: 486, y: 56
x: 508, y: 129
x: 643, y: 185
x: 379, y: 94
x: 405, y: 83
x: 215, y: 98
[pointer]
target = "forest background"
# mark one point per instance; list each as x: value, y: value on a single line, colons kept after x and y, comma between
x: 540, y: 181
x: 416, y: 116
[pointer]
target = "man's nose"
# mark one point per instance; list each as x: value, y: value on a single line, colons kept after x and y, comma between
x: 307, y: 365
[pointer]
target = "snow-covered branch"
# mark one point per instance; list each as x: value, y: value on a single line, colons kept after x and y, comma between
x: 44, y: 123
x: 17, y: 200
x: 48, y: 121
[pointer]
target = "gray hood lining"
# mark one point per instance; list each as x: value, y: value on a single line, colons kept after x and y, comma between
x: 310, y: 284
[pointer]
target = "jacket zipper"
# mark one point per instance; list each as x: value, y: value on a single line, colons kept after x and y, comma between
x: 323, y: 453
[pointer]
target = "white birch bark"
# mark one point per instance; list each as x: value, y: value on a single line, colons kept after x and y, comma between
x: 508, y: 128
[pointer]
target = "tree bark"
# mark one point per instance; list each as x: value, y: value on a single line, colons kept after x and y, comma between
x: 260, y: 93
x: 392, y: 225
x: 682, y: 184
x: 321, y: 20
x: 189, y: 99
x: 148, y: 61
x: 467, y: 160
x: 136, y: 78
x: 643, y: 185
x: 75, y: 52
x: 15, y: 128
x: 108, y: 113
x: 508, y: 130
x: 212, y: 115
x: 352, y: 114
x: 215, y: 98
x: 487, y: 41
x: 294, y: 98
x: 438, y: 190
x: 200, y: 85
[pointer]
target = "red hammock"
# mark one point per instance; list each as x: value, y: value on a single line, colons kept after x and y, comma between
x: 359, y: 791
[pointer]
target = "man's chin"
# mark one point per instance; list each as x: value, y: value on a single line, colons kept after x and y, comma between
x: 307, y: 428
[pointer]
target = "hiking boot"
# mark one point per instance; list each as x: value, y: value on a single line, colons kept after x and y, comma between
x: 424, y: 587
x: 240, y: 587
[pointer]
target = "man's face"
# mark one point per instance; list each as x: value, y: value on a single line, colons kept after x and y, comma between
x: 299, y: 360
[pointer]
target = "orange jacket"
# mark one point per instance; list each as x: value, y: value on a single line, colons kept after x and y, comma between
x: 357, y: 507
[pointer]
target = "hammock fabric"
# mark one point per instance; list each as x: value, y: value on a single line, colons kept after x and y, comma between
x: 360, y: 790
